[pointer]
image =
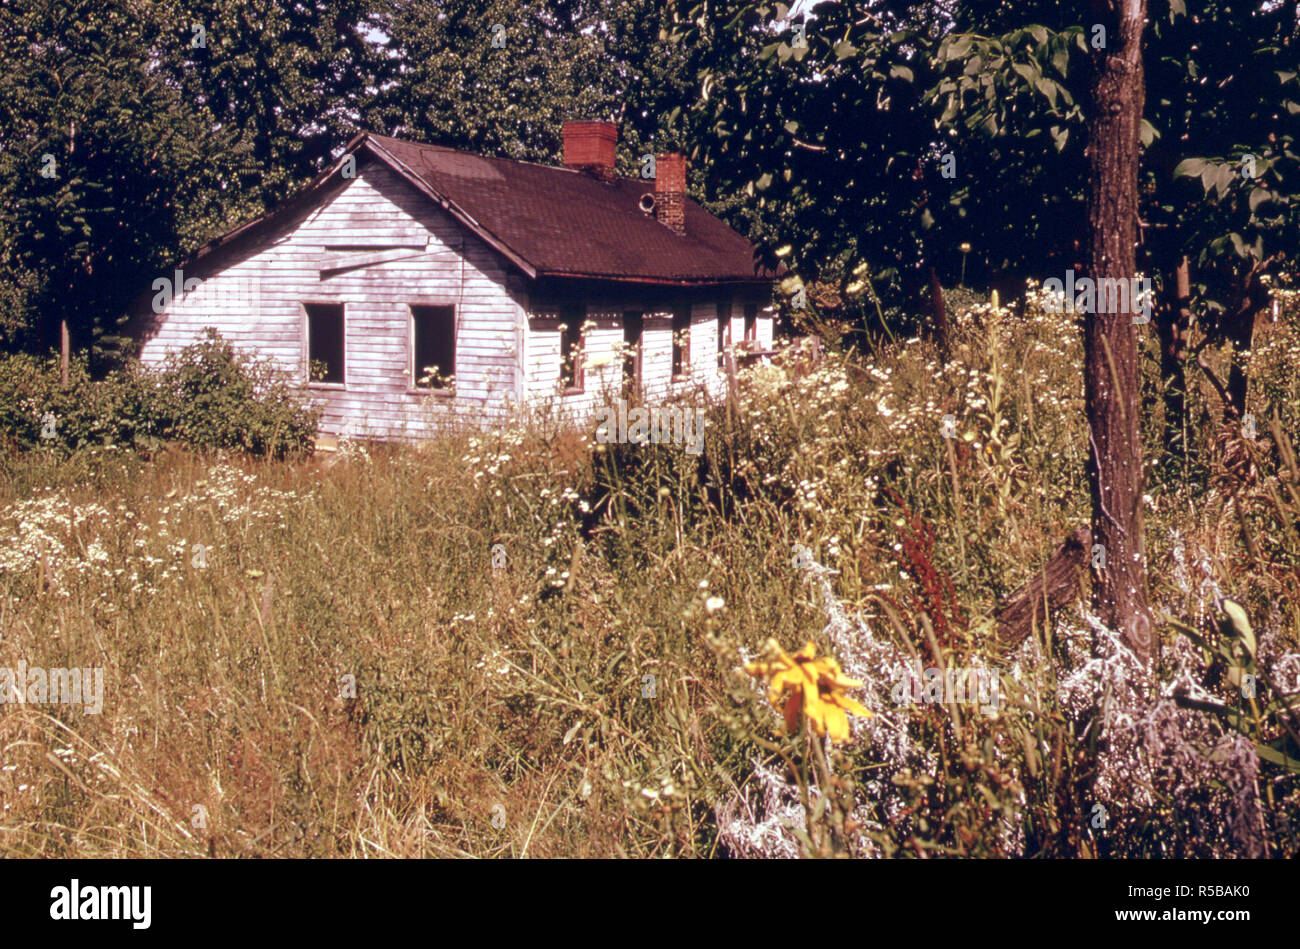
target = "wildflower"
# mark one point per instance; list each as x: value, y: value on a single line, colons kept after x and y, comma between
x: 714, y: 603
x: 815, y: 686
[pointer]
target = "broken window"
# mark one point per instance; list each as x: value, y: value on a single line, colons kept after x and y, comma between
x: 681, y: 339
x: 571, y: 348
x: 325, y: 349
x: 632, y: 328
x: 433, y: 347
x: 724, y: 329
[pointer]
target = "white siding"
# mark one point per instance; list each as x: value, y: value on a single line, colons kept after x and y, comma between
x: 603, y: 342
x: 282, y: 272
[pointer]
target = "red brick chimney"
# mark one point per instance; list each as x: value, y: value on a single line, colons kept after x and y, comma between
x: 591, y: 147
x: 670, y: 191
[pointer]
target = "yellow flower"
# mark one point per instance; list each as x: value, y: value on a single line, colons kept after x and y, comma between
x: 814, y: 686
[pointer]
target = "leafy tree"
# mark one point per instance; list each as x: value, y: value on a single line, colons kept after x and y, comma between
x: 1223, y: 102
x: 164, y: 124
x: 1221, y: 181
x: 864, y: 84
x: 102, y: 166
x: 501, y: 78
x: 819, y: 122
x: 291, y: 82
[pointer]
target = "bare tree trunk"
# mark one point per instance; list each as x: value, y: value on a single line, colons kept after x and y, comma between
x: 1115, y: 475
x: 1173, y: 324
x: 1250, y: 298
x: 941, y: 331
x: 65, y: 348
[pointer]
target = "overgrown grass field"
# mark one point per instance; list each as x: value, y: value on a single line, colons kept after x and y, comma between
x: 317, y: 657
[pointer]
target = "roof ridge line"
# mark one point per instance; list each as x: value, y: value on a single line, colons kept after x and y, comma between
x: 495, y: 158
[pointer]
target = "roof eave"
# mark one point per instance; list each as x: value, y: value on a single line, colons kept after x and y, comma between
x: 306, y: 191
x: 451, y: 207
x: 293, y: 203
x: 657, y: 281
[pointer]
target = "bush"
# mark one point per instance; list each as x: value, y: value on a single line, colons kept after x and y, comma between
x: 208, y: 395
x: 36, y: 411
x: 216, y: 397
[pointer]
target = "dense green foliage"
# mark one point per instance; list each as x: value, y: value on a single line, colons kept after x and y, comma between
x: 888, y: 137
x: 131, y: 132
x: 208, y: 396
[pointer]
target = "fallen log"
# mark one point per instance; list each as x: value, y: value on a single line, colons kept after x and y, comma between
x: 1055, y: 584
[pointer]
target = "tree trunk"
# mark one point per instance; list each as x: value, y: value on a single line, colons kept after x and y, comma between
x: 65, y: 349
x: 941, y: 332
x: 1173, y: 324
x: 1115, y: 474
x: 1250, y: 298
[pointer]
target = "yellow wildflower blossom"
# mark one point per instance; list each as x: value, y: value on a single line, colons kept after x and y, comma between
x: 814, y: 686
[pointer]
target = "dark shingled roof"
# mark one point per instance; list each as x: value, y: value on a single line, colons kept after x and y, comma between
x: 557, y: 222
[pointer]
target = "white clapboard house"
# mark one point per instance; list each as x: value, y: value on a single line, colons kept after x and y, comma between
x: 410, y: 284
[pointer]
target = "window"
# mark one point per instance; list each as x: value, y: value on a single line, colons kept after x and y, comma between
x: 325, y: 349
x: 681, y: 339
x: 632, y: 327
x: 751, y: 325
x: 724, y: 329
x: 571, y: 377
x: 433, y: 346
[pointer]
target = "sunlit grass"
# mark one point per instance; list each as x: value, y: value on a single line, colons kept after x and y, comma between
x: 588, y: 699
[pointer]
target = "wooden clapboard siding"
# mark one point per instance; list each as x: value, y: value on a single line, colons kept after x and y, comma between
x: 765, y: 330
x: 603, y: 345
x: 281, y: 272
x: 704, y: 350
x: 737, y: 326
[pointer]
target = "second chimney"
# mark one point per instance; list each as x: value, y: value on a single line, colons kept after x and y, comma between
x: 591, y: 147
x: 670, y: 191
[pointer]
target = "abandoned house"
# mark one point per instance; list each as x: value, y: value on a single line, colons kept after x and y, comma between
x: 412, y: 284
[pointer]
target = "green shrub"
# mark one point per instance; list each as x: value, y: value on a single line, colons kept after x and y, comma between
x: 216, y: 397
x: 36, y: 411
x: 208, y: 395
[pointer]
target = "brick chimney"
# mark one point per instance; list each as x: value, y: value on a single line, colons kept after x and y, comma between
x: 591, y: 147
x: 670, y: 191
